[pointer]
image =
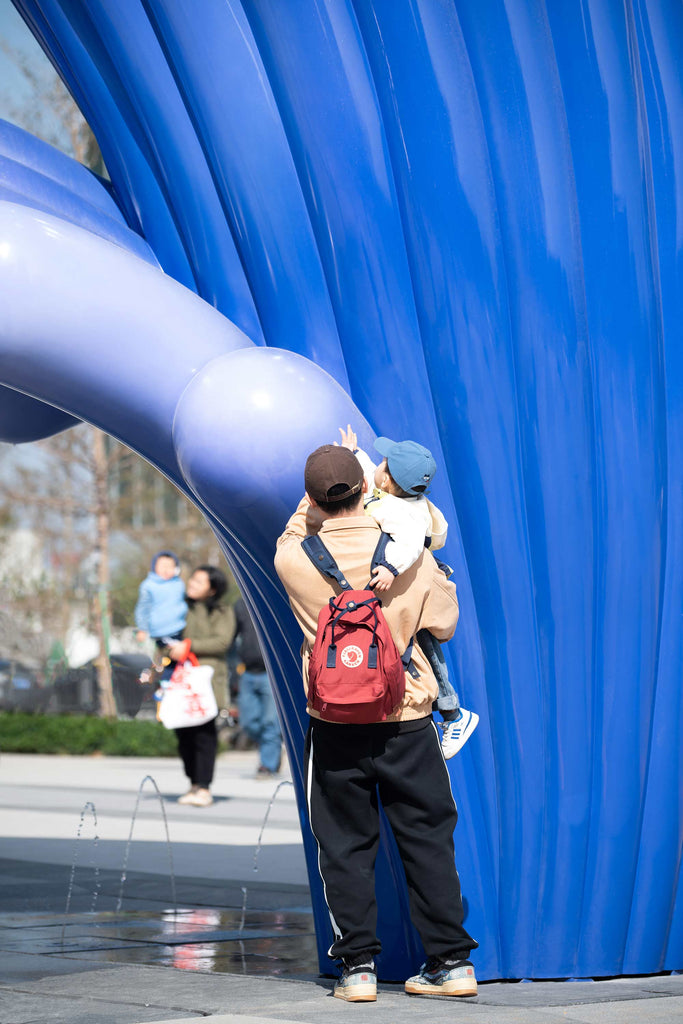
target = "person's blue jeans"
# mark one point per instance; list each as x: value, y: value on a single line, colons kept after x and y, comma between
x: 258, y: 717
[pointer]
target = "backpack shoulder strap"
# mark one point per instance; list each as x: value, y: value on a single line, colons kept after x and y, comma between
x: 379, y: 559
x: 323, y: 561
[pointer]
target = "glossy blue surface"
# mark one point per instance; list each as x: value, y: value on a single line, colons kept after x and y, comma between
x: 452, y: 220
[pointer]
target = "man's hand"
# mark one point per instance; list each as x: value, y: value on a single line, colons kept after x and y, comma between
x: 141, y: 636
x: 382, y: 578
x: 349, y: 439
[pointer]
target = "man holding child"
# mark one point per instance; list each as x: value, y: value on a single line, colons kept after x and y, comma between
x: 398, y: 758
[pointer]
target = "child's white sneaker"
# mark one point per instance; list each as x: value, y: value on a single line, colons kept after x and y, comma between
x: 457, y: 731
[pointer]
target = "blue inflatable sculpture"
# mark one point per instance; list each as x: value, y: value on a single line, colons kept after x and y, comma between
x: 453, y: 220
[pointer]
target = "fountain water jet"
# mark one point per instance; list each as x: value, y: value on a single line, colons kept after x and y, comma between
x: 148, y: 778
x: 87, y: 806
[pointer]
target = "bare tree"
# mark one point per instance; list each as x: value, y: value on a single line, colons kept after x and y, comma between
x: 101, y: 464
x: 51, y: 113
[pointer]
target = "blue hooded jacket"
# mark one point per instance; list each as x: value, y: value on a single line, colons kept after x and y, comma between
x: 161, y: 609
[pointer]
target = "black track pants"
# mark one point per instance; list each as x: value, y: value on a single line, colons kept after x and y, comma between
x: 347, y: 766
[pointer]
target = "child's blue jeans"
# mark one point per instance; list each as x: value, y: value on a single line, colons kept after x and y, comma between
x: 162, y: 642
x: 448, y: 698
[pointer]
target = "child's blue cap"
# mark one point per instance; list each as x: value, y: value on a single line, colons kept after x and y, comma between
x: 411, y: 464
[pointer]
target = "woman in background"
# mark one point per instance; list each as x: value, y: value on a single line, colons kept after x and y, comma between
x: 210, y: 627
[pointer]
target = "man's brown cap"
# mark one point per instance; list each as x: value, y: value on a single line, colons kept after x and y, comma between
x: 327, y: 468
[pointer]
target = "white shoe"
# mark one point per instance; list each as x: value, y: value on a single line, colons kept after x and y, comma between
x: 357, y: 984
x: 201, y: 798
x: 188, y: 797
x: 443, y: 978
x: 197, y: 798
x: 457, y: 732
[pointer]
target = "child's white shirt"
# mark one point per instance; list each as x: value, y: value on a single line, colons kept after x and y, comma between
x: 408, y: 521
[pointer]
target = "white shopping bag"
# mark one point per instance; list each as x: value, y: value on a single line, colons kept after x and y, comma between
x: 188, y: 698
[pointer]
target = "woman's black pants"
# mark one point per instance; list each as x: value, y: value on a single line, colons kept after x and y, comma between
x: 348, y: 768
x: 197, y: 745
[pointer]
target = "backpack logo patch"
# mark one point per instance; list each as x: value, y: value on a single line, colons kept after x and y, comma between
x: 352, y: 656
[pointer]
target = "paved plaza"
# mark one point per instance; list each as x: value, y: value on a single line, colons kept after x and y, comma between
x: 95, y: 927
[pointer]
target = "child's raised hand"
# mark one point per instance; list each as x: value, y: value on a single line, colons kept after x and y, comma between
x: 349, y: 439
x: 382, y: 578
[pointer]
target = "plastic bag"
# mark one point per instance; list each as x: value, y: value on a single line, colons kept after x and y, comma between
x: 188, y: 697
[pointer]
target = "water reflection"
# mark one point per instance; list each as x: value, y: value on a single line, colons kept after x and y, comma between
x: 262, y: 942
x: 190, y: 955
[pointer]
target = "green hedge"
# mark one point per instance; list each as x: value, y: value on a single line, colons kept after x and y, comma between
x: 71, y: 734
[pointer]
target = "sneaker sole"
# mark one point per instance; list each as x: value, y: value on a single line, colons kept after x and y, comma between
x: 358, y: 994
x: 450, y: 750
x: 462, y: 987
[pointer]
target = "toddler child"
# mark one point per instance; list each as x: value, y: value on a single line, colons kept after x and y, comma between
x: 397, y: 500
x: 161, y: 608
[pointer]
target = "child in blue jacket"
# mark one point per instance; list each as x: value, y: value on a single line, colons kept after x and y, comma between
x: 161, y: 609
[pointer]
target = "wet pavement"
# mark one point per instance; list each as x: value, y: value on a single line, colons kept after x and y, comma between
x: 264, y: 942
x: 231, y: 938
x: 234, y: 913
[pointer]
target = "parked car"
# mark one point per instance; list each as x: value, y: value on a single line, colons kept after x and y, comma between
x: 21, y: 688
x: 76, y: 691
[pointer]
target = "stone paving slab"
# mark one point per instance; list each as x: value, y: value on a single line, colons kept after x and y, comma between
x: 135, y: 995
x: 623, y: 1013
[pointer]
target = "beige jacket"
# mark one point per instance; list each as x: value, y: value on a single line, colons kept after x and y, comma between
x: 421, y: 598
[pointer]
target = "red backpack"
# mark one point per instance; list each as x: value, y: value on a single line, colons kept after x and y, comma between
x: 355, y: 674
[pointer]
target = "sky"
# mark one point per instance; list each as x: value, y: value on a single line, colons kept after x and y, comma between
x: 18, y: 100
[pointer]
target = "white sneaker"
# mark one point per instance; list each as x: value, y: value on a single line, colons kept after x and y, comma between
x: 188, y: 797
x: 198, y: 798
x: 443, y: 978
x: 202, y: 798
x: 457, y: 732
x: 357, y: 984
